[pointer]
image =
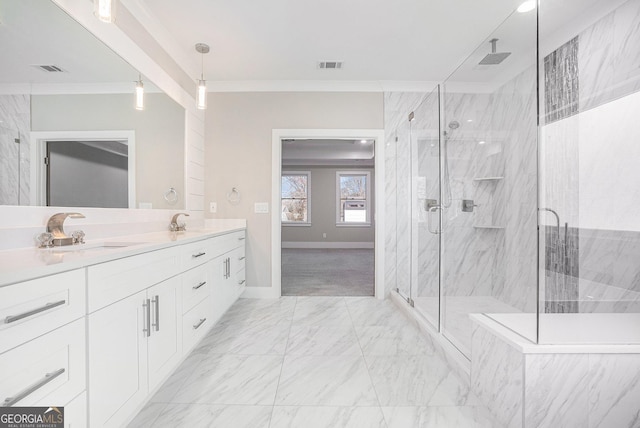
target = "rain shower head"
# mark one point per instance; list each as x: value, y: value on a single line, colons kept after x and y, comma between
x: 494, y: 58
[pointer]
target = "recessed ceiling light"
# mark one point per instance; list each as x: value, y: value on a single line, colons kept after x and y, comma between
x: 481, y: 142
x: 527, y: 6
x: 363, y: 141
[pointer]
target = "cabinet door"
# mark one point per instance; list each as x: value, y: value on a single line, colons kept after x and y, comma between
x: 165, y: 343
x: 220, y: 291
x: 117, y: 361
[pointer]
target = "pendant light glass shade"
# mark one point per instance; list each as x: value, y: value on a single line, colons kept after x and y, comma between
x: 201, y: 96
x: 139, y: 95
x: 105, y: 10
x: 201, y: 93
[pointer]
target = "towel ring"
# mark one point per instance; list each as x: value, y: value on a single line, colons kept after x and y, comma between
x: 171, y: 196
x: 233, y: 196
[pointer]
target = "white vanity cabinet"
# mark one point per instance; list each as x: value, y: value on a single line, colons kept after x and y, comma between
x: 42, y: 344
x: 134, y: 343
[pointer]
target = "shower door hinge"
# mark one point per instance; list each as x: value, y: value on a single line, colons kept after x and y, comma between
x: 410, y: 302
x: 46, y: 160
x: 16, y: 140
x: 411, y: 116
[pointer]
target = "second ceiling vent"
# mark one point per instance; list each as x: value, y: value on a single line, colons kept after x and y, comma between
x: 330, y: 65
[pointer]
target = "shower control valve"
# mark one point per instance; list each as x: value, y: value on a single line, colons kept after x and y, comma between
x: 468, y: 205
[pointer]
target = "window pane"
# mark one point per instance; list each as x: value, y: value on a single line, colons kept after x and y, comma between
x: 294, y: 198
x: 294, y: 210
x: 353, y: 186
x: 294, y: 186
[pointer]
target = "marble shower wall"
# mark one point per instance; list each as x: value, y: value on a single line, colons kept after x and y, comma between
x: 585, y: 161
x: 15, y: 123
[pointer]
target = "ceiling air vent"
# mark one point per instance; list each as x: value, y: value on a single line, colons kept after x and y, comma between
x: 330, y: 65
x: 49, y: 68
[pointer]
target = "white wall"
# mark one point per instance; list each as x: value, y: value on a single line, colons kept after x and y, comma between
x: 323, y: 211
x: 238, y: 152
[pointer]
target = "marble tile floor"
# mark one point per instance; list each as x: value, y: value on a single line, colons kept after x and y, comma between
x: 314, y: 362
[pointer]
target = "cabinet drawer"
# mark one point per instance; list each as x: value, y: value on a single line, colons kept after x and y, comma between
x: 47, y: 371
x: 240, y: 278
x: 196, y: 323
x: 196, y: 253
x: 32, y: 308
x: 75, y: 412
x: 113, y: 281
x: 196, y: 285
x: 237, y: 259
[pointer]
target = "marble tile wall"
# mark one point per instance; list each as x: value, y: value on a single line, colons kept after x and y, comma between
x: 15, y: 122
x: 569, y: 390
x: 607, y: 71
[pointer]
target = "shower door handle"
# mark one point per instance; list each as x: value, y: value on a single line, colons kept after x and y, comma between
x: 432, y: 210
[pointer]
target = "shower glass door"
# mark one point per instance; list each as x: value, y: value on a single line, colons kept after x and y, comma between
x: 425, y: 221
x: 403, y: 210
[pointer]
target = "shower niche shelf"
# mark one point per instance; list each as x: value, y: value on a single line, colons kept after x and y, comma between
x: 481, y: 226
x: 488, y: 178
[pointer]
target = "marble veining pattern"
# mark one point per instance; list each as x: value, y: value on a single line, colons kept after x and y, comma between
x: 369, y: 367
x: 15, y: 122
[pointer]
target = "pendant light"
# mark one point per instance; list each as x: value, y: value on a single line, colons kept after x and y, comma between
x: 105, y: 10
x: 201, y: 94
x: 139, y: 94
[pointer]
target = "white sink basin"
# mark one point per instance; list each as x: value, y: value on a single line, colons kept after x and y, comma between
x: 94, y: 246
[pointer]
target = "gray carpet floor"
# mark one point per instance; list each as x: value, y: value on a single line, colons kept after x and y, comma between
x: 327, y: 272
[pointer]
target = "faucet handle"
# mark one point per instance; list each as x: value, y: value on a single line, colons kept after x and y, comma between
x: 45, y: 239
x: 78, y: 237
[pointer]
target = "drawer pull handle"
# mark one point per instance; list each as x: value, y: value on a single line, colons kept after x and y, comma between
x: 197, y: 326
x: 241, y: 282
x: 14, y: 318
x: 241, y: 258
x: 156, y: 300
x: 10, y: 401
x: 241, y: 239
x: 195, y: 287
x: 195, y: 256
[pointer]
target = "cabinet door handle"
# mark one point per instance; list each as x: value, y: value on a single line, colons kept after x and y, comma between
x: 197, y: 326
x: 241, y: 258
x: 195, y: 287
x: 156, y: 300
x: 228, y: 267
x: 195, y: 256
x: 10, y: 401
x: 146, y: 306
x: 14, y: 318
x: 241, y: 282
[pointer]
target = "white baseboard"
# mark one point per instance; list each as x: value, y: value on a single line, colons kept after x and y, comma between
x: 368, y: 245
x: 260, y: 293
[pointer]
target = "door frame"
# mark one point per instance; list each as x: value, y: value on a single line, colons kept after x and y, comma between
x: 276, y: 220
x: 38, y: 146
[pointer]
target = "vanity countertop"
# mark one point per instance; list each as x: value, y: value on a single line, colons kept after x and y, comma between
x: 28, y: 263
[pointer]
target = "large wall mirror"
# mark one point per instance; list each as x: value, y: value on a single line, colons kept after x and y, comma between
x: 70, y: 133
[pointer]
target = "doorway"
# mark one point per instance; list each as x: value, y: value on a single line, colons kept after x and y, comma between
x: 327, y: 236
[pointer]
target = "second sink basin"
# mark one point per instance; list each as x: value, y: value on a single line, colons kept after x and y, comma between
x: 94, y: 246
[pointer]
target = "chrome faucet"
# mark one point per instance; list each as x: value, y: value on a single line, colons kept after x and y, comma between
x: 174, y: 226
x: 55, y: 235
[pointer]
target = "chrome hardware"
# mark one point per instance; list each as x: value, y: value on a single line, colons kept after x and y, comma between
x: 45, y: 239
x: 241, y: 258
x: 411, y: 302
x: 14, y: 318
x: 197, y: 326
x: 468, y: 205
x: 241, y: 282
x: 228, y: 267
x: 10, y: 401
x: 431, y: 210
x: 174, y: 226
x: 195, y: 256
x: 146, y: 306
x: 195, y: 287
x: 55, y: 227
x: 430, y: 203
x: 555, y: 215
x: 78, y: 237
x: 156, y: 300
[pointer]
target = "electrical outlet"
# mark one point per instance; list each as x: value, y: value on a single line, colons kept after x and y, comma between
x: 213, y: 207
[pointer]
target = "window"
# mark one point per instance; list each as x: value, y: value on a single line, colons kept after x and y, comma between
x: 295, y: 198
x: 353, y: 204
